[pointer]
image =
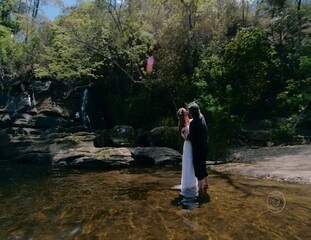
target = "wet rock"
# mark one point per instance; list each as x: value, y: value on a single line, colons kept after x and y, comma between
x: 70, y: 150
x: 50, y: 108
x: 286, y: 163
x: 23, y: 120
x: 86, y: 156
x: 156, y: 155
x: 122, y: 136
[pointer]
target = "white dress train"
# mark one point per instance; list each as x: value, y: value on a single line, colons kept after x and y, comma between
x: 189, y: 182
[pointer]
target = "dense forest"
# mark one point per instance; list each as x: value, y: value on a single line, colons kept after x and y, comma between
x: 241, y: 60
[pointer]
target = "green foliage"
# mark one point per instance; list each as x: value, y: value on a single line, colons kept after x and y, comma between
x: 241, y: 65
x: 7, y: 8
x: 222, y: 126
x: 284, y: 131
x: 86, y: 44
x: 5, y: 44
x: 296, y: 96
x: 237, y: 77
x: 247, y: 59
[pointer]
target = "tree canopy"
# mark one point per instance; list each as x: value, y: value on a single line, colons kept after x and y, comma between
x: 240, y: 59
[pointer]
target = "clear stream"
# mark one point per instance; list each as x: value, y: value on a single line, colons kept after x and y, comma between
x: 45, y: 204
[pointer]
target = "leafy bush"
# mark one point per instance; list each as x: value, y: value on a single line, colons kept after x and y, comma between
x: 284, y: 131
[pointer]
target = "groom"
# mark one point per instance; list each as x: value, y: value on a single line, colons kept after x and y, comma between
x: 198, y: 137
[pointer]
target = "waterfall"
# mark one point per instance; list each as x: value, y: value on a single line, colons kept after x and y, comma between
x: 84, y: 116
x: 34, y: 102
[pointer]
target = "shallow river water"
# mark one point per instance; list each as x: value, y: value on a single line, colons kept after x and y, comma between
x: 139, y: 204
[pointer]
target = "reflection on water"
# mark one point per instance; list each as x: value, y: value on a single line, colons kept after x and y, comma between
x: 139, y: 204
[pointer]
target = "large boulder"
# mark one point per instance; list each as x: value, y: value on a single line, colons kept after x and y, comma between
x: 89, y: 156
x: 166, y: 137
x: 77, y: 150
x: 50, y: 108
x: 23, y: 120
x: 156, y: 156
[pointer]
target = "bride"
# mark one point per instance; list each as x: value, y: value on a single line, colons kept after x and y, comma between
x: 189, y: 182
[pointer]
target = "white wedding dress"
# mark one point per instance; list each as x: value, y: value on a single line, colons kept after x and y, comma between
x: 189, y: 182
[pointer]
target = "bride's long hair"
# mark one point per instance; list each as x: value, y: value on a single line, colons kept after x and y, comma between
x: 183, y: 118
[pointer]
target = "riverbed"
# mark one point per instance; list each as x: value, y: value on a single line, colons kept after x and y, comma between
x: 139, y: 203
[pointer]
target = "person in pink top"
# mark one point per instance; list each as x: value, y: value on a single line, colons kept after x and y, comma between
x: 150, y: 63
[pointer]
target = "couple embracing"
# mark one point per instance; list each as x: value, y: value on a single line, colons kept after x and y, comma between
x: 193, y: 129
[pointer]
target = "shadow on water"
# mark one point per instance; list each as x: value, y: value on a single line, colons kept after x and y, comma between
x: 192, y: 202
x: 229, y: 180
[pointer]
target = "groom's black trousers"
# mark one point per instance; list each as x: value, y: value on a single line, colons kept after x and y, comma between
x: 198, y: 137
x: 199, y: 165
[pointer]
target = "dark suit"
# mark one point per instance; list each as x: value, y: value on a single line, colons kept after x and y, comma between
x: 198, y: 137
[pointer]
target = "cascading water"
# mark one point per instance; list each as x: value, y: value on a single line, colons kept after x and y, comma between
x: 84, y: 116
x: 34, y: 102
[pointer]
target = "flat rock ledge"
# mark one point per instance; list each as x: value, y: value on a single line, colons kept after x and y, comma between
x: 108, y: 157
x: 156, y: 156
x: 282, y: 163
x: 94, y: 157
x: 77, y: 150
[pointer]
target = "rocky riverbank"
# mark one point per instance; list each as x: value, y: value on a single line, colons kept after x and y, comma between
x: 282, y: 163
x: 77, y: 148
x: 50, y: 127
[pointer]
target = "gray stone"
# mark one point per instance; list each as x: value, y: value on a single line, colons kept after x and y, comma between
x: 50, y: 108
x: 156, y: 155
x: 23, y: 120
